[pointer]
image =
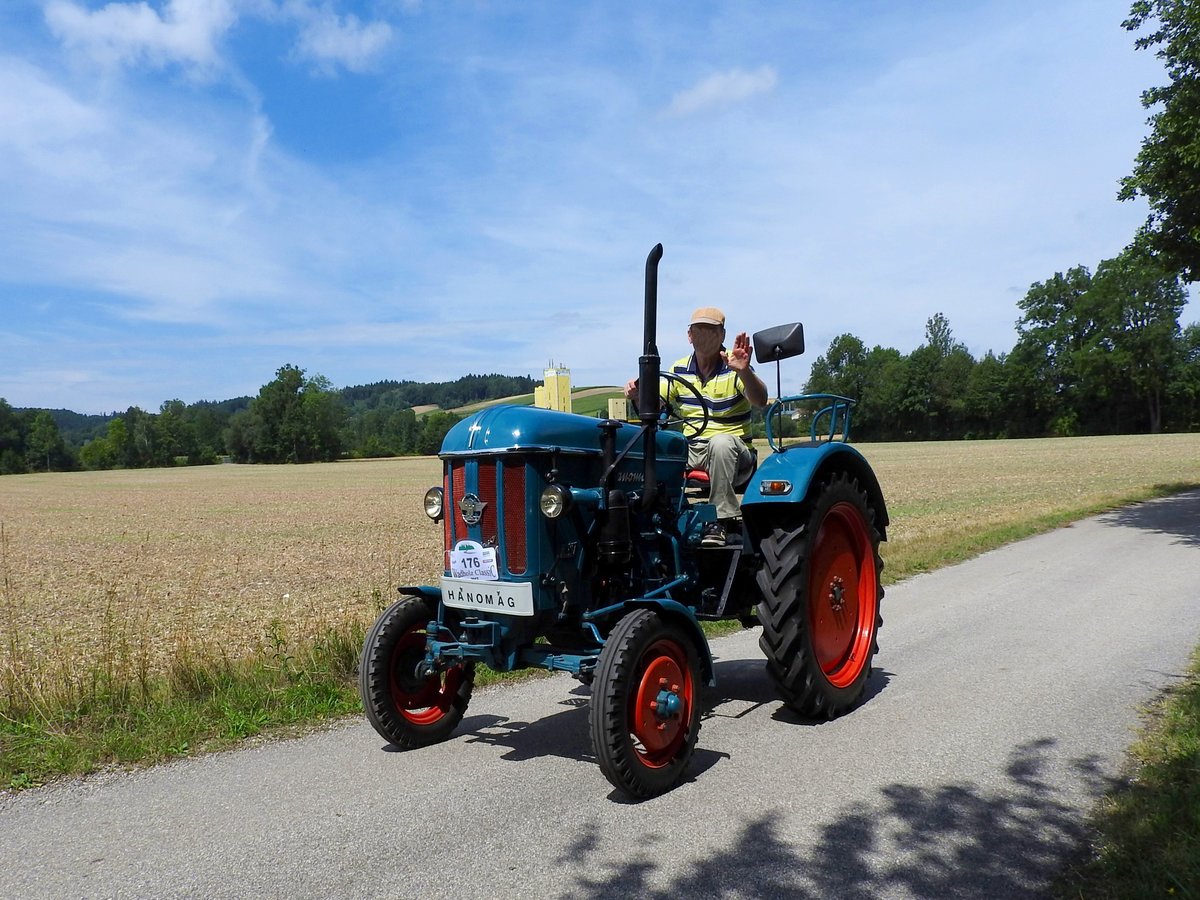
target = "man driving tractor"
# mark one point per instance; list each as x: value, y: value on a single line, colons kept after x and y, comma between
x: 729, y: 387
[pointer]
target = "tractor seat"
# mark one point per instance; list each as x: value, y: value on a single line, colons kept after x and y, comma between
x: 695, y: 481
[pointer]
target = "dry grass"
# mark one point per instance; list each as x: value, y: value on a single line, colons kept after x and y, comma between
x: 152, y: 565
x: 947, y: 500
x: 220, y: 559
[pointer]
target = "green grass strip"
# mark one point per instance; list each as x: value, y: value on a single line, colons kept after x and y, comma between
x: 1150, y: 828
x: 205, y: 703
x: 950, y: 549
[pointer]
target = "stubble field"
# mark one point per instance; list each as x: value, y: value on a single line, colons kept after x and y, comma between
x: 145, y: 566
x: 228, y: 560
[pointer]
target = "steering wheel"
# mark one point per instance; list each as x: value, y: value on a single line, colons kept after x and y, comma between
x: 669, y: 416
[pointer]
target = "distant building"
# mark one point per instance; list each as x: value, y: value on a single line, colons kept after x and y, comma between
x: 556, y: 392
x: 620, y: 409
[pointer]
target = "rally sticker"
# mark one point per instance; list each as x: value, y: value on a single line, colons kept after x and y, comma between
x: 474, y: 562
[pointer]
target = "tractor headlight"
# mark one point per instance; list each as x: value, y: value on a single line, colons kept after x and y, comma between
x: 555, y: 501
x: 434, y: 501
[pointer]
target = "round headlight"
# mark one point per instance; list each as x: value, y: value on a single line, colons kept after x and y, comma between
x: 555, y: 500
x: 434, y: 499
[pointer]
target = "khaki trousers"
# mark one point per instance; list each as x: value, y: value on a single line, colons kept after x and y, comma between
x: 728, y: 461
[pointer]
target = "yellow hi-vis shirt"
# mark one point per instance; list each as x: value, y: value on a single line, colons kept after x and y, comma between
x: 728, y: 408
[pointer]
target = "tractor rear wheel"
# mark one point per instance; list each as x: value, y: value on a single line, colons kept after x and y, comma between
x: 820, y: 589
x: 406, y: 707
x: 645, y: 713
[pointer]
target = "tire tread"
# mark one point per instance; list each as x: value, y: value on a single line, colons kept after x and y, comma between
x: 782, y: 583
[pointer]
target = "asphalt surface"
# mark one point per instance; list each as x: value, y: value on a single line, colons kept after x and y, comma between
x: 1007, y: 690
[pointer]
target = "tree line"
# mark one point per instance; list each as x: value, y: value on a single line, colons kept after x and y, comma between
x: 294, y: 418
x: 1096, y: 353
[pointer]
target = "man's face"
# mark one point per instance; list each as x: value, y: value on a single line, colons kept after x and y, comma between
x: 706, y: 338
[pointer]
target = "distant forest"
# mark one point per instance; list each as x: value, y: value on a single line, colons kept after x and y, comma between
x: 294, y: 418
x: 1096, y: 353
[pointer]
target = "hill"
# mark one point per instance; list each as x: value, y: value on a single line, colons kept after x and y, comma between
x: 446, y: 395
x: 386, y: 418
x: 588, y: 401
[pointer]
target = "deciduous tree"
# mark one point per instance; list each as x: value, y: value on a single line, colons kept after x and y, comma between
x: 45, y: 447
x: 1167, y: 169
x: 293, y: 419
x: 841, y: 369
x: 1134, y: 350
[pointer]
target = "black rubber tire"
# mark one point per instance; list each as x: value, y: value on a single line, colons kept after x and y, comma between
x: 787, y: 611
x: 640, y: 647
x: 407, y: 711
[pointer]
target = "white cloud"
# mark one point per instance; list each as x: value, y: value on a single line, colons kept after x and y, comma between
x: 723, y: 89
x: 172, y: 213
x: 186, y: 31
x: 328, y: 39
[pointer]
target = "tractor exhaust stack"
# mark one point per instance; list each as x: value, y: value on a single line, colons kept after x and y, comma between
x: 649, y: 365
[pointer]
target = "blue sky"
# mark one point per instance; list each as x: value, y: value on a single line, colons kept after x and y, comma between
x: 196, y: 192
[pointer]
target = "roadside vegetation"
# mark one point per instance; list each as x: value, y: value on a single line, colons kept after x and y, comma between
x: 1149, y: 843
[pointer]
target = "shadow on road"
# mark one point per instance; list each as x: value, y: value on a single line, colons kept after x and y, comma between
x: 743, y: 686
x: 1177, y: 515
x: 563, y: 733
x: 952, y: 840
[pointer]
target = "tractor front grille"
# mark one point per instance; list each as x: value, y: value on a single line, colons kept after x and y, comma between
x: 500, y: 484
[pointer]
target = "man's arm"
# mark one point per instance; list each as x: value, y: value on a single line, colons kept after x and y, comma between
x: 739, y: 361
x: 665, y: 389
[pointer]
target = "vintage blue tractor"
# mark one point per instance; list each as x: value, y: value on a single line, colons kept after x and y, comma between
x: 573, y: 544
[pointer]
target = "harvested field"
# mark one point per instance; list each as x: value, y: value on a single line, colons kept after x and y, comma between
x: 221, y: 558
x: 947, y: 499
x: 148, y: 565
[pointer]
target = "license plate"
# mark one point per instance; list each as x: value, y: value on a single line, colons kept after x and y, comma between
x: 509, y: 598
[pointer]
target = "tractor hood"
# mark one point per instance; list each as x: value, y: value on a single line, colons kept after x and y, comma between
x: 499, y: 429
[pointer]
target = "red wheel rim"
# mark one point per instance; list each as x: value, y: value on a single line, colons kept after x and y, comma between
x: 842, y: 599
x: 420, y: 700
x: 662, y: 704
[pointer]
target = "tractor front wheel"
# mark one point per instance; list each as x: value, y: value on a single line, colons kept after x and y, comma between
x: 645, y: 714
x: 407, y: 706
x: 820, y: 589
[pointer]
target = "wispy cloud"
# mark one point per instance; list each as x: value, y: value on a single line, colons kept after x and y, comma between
x: 189, y: 32
x: 172, y: 215
x: 329, y: 40
x: 185, y: 32
x: 723, y: 89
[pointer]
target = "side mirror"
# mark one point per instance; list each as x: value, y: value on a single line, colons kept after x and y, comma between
x: 780, y: 342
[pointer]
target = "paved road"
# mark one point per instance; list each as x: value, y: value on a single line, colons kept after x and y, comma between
x: 1008, y: 688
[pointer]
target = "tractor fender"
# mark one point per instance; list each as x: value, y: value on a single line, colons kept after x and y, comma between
x: 420, y: 590
x: 801, y: 466
x: 678, y: 614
